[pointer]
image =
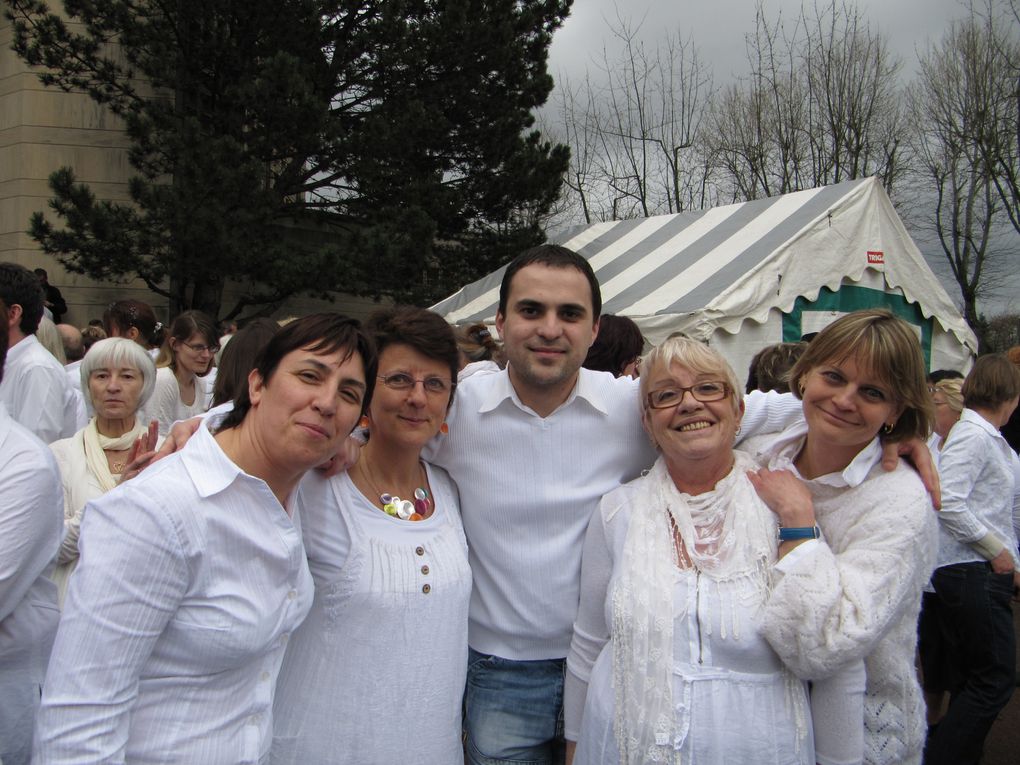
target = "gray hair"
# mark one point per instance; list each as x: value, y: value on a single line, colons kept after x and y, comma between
x: 697, y: 357
x: 114, y: 352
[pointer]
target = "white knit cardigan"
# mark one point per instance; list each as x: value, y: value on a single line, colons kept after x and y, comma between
x: 857, y: 593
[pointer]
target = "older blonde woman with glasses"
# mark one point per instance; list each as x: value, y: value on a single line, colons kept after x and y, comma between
x: 668, y: 662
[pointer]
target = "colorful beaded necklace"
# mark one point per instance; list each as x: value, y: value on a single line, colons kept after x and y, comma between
x: 404, y: 509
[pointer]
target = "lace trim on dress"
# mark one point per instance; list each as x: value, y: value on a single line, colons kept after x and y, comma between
x: 725, y: 537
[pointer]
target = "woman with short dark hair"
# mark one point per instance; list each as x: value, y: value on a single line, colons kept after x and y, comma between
x: 617, y: 347
x: 376, y: 673
x: 193, y: 575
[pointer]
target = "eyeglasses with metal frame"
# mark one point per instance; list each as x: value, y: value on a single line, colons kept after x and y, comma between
x: 706, y: 392
x: 404, y: 381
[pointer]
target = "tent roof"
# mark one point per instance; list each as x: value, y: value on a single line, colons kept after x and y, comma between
x: 733, y: 263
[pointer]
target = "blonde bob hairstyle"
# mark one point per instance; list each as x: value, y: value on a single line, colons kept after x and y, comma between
x: 951, y: 390
x: 884, y: 346
x: 114, y: 353
x: 697, y: 357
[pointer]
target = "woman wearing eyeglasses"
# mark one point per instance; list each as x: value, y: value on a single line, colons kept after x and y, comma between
x: 186, y: 356
x: 376, y: 673
x: 668, y: 663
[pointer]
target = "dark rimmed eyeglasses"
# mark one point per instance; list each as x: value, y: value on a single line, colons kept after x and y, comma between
x: 198, y: 348
x: 705, y: 392
x: 404, y: 381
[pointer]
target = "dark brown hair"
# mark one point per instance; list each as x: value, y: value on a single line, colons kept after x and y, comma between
x: 19, y: 286
x: 618, y: 343
x: 554, y: 256
x: 319, y: 333
x: 424, y: 331
x: 3, y: 338
x: 124, y: 314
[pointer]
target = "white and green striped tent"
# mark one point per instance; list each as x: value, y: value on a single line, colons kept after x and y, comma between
x: 743, y: 276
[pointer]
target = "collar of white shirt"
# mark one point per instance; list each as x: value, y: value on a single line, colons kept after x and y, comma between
x: 22, y: 347
x: 587, y: 388
x: 207, y: 464
x: 969, y: 415
x: 788, y: 444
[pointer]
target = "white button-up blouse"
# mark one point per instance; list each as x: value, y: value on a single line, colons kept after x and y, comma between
x: 192, y: 578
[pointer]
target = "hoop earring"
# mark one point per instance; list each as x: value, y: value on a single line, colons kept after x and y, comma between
x: 887, y: 428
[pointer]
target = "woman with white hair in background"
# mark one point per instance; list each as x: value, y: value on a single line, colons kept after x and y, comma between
x: 118, y: 376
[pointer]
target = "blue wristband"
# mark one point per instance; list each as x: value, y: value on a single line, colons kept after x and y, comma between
x: 791, y: 533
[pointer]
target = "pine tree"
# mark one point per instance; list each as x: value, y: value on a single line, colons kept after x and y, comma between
x: 381, y: 147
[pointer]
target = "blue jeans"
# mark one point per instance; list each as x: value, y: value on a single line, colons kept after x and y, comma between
x: 513, y: 711
x: 977, y: 623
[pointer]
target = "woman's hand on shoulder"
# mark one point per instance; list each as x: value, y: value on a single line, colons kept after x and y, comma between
x: 917, y: 453
x: 346, y: 457
x: 785, y: 494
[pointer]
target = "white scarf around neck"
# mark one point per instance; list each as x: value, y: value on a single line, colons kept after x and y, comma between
x: 725, y: 535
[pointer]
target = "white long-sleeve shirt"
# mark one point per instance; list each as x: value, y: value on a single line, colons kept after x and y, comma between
x: 37, y: 393
x: 165, y: 404
x: 978, y: 469
x: 530, y: 484
x: 192, y: 578
x: 30, y: 529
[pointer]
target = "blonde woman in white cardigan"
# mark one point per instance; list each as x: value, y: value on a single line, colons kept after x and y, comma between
x: 859, y: 541
x: 118, y: 376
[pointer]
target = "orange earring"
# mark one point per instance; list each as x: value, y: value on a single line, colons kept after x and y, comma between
x: 363, y: 422
x: 444, y: 428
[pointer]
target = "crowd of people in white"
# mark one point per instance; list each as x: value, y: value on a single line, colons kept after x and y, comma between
x: 394, y: 541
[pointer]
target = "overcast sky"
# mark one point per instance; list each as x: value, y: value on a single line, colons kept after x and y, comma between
x: 718, y: 29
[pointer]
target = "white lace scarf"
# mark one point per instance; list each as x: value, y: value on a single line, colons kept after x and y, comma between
x: 723, y: 537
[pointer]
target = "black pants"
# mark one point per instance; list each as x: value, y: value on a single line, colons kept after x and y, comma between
x: 976, y: 622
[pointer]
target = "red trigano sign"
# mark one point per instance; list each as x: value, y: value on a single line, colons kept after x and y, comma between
x: 876, y: 256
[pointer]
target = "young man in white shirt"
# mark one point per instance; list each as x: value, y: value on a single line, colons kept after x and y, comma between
x: 520, y: 450
x: 533, y: 449
x: 31, y: 526
x: 35, y: 388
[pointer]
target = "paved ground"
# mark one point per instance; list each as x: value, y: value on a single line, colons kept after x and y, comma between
x: 1002, y: 747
